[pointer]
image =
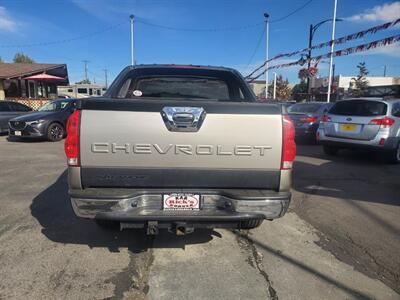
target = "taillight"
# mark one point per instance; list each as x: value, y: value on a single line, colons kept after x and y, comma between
x: 309, y: 119
x: 386, y: 121
x: 325, y: 118
x: 71, y: 145
x: 289, y: 145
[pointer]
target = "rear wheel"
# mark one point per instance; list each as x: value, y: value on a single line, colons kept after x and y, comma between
x: 55, y: 132
x: 330, y: 150
x: 250, y: 224
x: 394, y: 155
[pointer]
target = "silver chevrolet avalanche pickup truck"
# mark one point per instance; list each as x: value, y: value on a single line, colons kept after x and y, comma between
x: 179, y: 147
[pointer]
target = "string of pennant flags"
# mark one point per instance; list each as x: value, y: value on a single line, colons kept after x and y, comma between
x: 316, y: 59
x: 337, y: 41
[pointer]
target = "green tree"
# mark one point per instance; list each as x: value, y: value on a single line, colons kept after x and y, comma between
x: 20, y: 57
x: 283, y: 90
x: 360, y: 83
x: 299, y: 91
x: 84, y: 81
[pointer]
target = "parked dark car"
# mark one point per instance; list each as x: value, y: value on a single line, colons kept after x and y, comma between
x: 49, y: 122
x: 9, y: 110
x: 306, y: 118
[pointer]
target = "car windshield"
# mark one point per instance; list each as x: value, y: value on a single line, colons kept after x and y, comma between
x: 304, y: 108
x: 54, y: 106
x: 362, y: 108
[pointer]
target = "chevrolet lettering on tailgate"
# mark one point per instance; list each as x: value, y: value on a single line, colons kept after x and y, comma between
x: 179, y: 149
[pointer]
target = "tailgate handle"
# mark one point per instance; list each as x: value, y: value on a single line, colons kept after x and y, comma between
x: 183, y: 118
x: 187, y: 119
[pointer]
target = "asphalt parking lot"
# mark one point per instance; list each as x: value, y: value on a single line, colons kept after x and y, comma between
x: 340, y: 240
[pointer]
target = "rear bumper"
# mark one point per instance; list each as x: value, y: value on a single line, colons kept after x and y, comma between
x: 143, y: 206
x: 308, y: 131
x: 390, y: 143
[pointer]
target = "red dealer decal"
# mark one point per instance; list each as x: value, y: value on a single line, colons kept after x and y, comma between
x: 181, y: 201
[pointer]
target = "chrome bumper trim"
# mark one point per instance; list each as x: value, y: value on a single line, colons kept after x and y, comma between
x: 148, y: 205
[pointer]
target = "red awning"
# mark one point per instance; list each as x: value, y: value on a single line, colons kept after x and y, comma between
x: 44, y: 77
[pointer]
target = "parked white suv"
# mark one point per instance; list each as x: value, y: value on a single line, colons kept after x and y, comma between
x: 362, y: 123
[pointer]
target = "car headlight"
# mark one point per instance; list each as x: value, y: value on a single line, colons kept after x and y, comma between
x: 34, y: 122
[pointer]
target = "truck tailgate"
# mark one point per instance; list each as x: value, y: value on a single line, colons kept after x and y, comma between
x: 127, y: 143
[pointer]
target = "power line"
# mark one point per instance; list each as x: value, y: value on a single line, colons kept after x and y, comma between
x: 142, y: 21
x: 292, y: 13
x: 84, y: 36
x: 255, y: 49
x: 229, y: 28
x: 216, y: 29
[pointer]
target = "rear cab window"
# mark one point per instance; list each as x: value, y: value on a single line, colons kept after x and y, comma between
x: 195, y: 84
x: 361, y: 108
x: 181, y: 87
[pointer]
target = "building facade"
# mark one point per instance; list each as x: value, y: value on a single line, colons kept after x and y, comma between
x: 342, y: 86
x: 22, y: 81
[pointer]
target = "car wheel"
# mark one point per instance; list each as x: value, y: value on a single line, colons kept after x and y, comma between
x: 107, y: 224
x: 55, y: 132
x: 394, y: 155
x: 250, y: 224
x: 329, y: 150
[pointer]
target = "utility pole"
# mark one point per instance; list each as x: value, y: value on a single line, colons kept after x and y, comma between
x: 384, y: 71
x: 105, y: 77
x: 328, y: 96
x: 132, y: 18
x: 274, y: 86
x: 313, y: 29
x: 310, y: 37
x: 266, y: 16
x: 86, y: 68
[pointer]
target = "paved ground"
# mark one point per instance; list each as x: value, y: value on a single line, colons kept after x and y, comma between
x: 339, y: 241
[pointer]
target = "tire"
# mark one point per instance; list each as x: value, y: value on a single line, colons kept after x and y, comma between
x: 250, y: 224
x: 329, y: 150
x: 394, y: 155
x: 55, y: 132
x: 107, y: 224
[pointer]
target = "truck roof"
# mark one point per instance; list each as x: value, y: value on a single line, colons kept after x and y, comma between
x: 178, y: 66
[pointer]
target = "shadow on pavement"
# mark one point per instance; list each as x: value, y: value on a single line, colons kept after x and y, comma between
x: 333, y: 180
x: 341, y: 176
x: 298, y: 264
x: 53, y: 210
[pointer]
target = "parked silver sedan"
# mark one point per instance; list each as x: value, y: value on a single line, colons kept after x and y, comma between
x: 362, y: 124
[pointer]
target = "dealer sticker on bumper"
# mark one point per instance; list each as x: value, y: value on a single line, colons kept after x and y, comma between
x: 181, y: 202
x: 17, y: 133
